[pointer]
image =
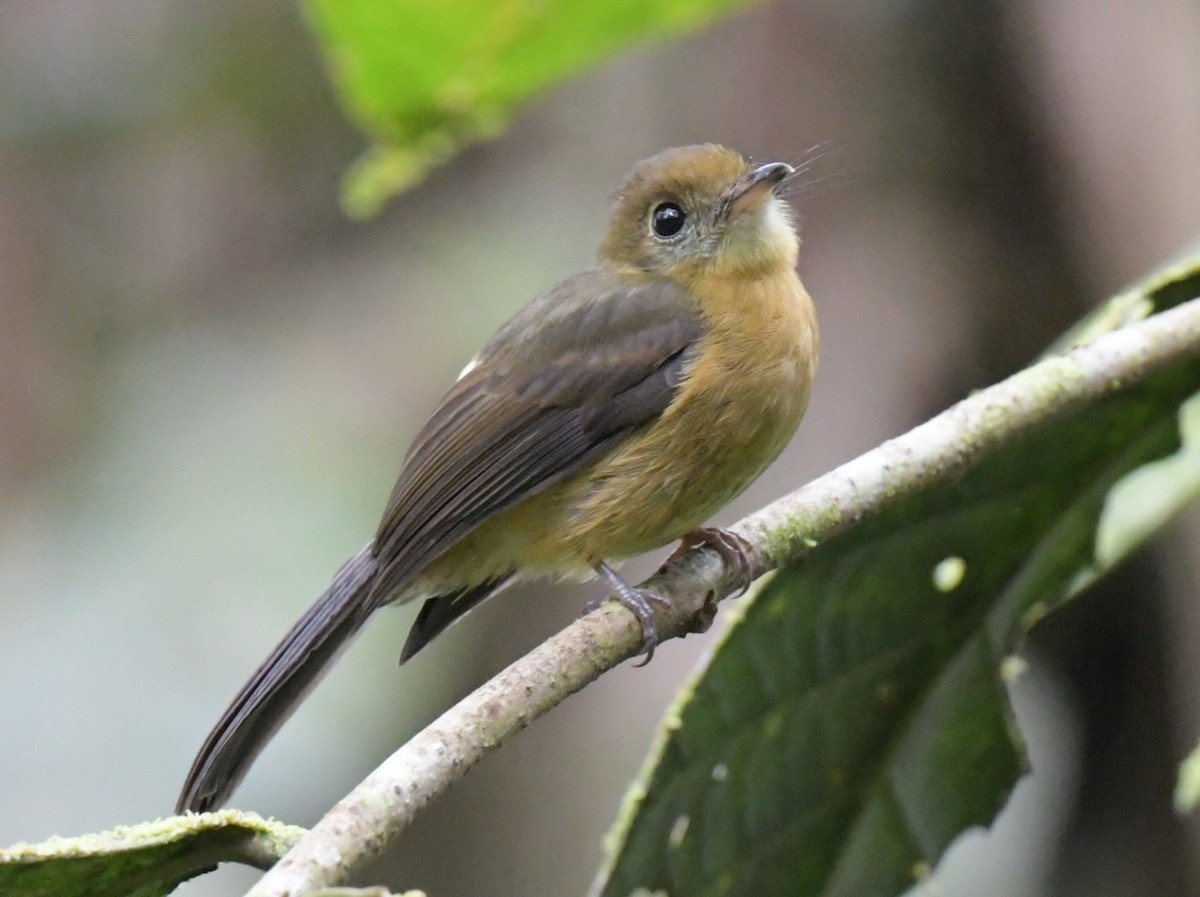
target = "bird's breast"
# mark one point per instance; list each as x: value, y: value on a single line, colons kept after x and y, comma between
x: 740, y: 402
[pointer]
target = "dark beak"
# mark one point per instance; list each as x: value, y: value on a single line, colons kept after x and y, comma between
x: 751, y: 190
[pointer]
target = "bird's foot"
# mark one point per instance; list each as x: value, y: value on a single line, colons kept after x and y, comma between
x: 639, y: 601
x: 733, y: 549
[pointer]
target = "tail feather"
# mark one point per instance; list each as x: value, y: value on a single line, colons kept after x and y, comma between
x: 265, y: 702
x: 439, y: 612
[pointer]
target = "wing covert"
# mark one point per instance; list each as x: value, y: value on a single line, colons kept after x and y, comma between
x: 535, y: 410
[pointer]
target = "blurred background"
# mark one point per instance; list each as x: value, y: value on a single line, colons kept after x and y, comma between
x: 208, y: 377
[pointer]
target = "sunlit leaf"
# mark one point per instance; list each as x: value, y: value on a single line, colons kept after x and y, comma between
x: 423, y: 79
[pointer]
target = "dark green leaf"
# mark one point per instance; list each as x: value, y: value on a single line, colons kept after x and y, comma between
x: 855, y: 722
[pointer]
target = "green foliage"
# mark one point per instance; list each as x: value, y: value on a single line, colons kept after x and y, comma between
x: 362, y: 892
x: 854, y: 721
x: 143, y: 860
x: 423, y: 79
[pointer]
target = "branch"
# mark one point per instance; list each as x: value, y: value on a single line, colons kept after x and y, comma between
x: 381, y: 807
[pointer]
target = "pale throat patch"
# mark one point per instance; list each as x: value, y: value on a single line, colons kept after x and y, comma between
x: 778, y: 231
x: 772, y: 237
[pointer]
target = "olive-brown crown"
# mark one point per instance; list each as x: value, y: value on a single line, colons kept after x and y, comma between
x: 697, y: 208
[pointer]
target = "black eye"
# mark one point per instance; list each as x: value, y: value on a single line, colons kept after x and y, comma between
x: 667, y: 219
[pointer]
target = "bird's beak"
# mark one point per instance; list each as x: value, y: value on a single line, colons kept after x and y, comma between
x: 751, y: 190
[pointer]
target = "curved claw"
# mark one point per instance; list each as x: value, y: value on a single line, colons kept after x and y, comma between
x: 639, y: 602
x: 733, y: 549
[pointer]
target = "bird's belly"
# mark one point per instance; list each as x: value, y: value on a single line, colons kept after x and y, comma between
x: 736, y: 411
x: 657, y: 486
x: 689, y: 466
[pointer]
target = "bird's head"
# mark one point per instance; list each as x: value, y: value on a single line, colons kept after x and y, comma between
x: 697, y: 210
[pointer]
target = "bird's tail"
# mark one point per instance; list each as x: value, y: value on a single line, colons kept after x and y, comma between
x: 278, y: 685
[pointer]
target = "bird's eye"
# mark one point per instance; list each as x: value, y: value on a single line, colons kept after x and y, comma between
x: 667, y: 219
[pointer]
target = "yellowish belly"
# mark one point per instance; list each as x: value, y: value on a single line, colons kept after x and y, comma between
x: 738, y: 408
x: 737, y: 411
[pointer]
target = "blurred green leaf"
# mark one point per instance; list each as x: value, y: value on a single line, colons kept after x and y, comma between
x: 1187, y: 786
x: 854, y: 722
x: 423, y: 79
x: 144, y: 860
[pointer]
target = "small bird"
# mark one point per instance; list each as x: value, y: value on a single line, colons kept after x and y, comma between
x: 611, y: 415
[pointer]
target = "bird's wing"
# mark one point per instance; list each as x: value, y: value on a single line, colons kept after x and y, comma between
x: 560, y: 384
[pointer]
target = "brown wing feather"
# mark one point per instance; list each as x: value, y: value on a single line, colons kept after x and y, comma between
x: 533, y: 412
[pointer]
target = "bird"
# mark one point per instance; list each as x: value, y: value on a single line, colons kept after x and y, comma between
x: 610, y: 416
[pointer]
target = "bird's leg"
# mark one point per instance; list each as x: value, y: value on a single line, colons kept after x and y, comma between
x: 638, y: 601
x: 733, y: 549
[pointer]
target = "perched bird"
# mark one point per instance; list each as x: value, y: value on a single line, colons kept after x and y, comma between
x: 611, y: 415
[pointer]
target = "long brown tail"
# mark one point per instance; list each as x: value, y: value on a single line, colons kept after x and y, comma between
x: 278, y: 685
